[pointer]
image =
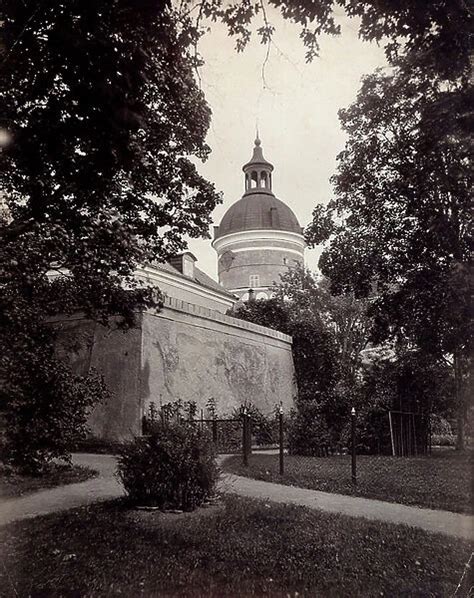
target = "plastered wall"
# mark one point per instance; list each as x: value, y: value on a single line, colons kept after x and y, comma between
x: 183, y: 352
x: 196, y: 355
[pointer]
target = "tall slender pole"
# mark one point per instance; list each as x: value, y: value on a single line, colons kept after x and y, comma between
x: 392, y: 439
x: 244, y: 438
x: 353, y: 434
x: 430, y: 431
x: 282, y: 464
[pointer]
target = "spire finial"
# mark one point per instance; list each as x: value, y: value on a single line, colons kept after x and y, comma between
x: 257, y: 138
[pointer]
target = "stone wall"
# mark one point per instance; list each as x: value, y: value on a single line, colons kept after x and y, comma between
x: 183, y: 352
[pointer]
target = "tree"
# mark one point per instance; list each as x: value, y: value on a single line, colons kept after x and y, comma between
x: 401, y: 216
x: 409, y: 381
x: 439, y: 30
x: 314, y: 348
x: 102, y: 112
x: 344, y: 314
x: 316, y: 368
x: 329, y: 334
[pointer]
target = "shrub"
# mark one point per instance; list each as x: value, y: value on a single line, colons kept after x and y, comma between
x: 172, y: 468
x: 308, y: 433
x: 46, y: 407
x: 440, y: 426
x: 443, y: 440
x: 372, y: 432
x: 229, y: 436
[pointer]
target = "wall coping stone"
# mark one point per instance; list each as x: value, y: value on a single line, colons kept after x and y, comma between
x: 196, y: 310
x: 211, y: 314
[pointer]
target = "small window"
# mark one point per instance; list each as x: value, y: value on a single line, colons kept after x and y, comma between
x: 254, y: 281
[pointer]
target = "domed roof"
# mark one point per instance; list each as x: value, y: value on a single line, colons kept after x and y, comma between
x: 259, y: 210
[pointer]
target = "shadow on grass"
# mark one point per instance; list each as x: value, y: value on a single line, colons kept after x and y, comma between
x: 244, y: 548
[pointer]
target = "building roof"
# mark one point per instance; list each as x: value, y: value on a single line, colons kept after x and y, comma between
x: 200, y: 278
x: 257, y: 158
x: 258, y: 210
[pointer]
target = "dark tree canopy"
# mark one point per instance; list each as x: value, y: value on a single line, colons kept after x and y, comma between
x: 103, y: 110
x: 344, y: 316
x: 103, y: 113
x: 438, y: 29
x: 401, y: 214
x: 401, y: 221
x: 103, y: 116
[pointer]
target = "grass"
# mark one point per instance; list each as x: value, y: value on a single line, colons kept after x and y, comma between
x: 13, y: 484
x: 244, y: 548
x: 440, y: 481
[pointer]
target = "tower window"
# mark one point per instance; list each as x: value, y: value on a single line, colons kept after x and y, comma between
x: 254, y: 281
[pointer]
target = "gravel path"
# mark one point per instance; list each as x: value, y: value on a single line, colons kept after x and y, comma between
x: 106, y: 487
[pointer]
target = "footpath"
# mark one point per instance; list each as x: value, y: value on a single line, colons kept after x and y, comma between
x: 106, y: 487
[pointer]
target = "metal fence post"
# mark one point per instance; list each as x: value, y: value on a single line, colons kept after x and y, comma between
x: 244, y: 438
x: 353, y: 435
x: 214, y: 431
x: 249, y: 435
x: 282, y: 464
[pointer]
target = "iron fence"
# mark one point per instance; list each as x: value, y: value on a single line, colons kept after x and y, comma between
x: 337, y: 466
x: 262, y: 444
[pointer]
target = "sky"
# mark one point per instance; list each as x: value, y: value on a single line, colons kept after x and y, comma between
x: 295, y: 106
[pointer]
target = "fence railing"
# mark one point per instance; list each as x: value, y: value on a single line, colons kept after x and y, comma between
x: 409, y: 436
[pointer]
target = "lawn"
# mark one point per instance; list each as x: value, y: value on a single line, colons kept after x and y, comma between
x: 440, y: 481
x: 242, y: 547
x: 13, y: 484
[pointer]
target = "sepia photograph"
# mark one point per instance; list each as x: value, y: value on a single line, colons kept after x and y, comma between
x: 235, y: 299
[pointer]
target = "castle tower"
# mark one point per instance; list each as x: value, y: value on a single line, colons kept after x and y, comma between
x: 259, y: 236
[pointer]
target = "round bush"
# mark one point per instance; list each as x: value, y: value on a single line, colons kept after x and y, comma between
x: 172, y: 468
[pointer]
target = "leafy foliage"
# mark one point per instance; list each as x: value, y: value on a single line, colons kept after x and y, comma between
x: 45, y: 407
x: 401, y: 220
x: 296, y: 311
x: 102, y: 111
x: 412, y: 382
x: 308, y: 433
x: 439, y: 30
x: 103, y: 114
x: 172, y: 467
x: 344, y: 315
x: 329, y: 334
x: 263, y: 426
x: 314, y: 347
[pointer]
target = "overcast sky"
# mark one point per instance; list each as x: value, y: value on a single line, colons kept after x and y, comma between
x: 296, y: 108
